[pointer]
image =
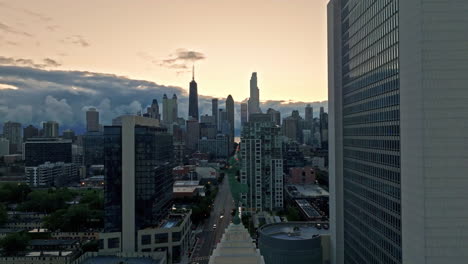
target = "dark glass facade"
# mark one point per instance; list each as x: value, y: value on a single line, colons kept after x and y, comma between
x: 153, y: 176
x: 38, y: 152
x: 371, y: 131
x: 93, y: 148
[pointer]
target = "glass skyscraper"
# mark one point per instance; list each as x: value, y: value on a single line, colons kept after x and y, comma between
x: 388, y: 62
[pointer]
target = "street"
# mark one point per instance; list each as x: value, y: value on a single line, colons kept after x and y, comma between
x: 208, y: 239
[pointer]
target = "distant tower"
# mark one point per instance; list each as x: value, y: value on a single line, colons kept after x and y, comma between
x: 170, y: 110
x: 92, y: 120
x: 50, y: 129
x: 230, y: 114
x: 193, y: 97
x: 12, y: 132
x: 214, y: 110
x: 153, y: 110
x: 309, y: 116
x: 254, y: 100
x: 244, y: 113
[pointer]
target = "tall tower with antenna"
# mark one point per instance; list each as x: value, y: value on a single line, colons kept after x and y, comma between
x: 193, y: 97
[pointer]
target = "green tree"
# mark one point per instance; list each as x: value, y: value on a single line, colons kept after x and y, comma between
x: 293, y: 214
x: 14, y: 243
x: 3, y: 214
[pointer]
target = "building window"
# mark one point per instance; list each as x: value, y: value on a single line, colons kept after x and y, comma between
x: 113, y: 242
x: 146, y: 239
x: 161, y: 238
x: 176, y: 237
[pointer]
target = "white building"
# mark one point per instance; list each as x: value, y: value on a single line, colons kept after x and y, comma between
x: 398, y: 103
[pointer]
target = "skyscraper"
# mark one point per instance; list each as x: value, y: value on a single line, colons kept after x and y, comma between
x: 153, y: 110
x: 170, y: 110
x: 244, y: 113
x: 275, y: 116
x: 30, y: 132
x: 398, y: 115
x: 214, y: 110
x: 92, y: 120
x: 12, y: 132
x: 193, y: 135
x: 193, y: 97
x: 254, y: 100
x: 230, y: 115
x: 309, y: 117
x: 138, y: 182
x: 50, y: 129
x: 262, y: 164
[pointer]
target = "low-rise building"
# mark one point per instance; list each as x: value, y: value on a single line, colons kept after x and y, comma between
x: 52, y: 174
x: 301, y: 175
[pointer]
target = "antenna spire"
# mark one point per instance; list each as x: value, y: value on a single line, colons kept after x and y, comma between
x: 193, y: 72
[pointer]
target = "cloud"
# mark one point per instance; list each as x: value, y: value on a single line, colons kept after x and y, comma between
x: 76, y: 40
x: 8, y: 29
x: 47, y: 62
x: 64, y: 96
x: 181, y: 60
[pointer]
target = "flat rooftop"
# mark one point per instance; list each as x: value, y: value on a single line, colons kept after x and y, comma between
x: 115, y: 259
x: 292, y: 231
x: 309, y: 210
x: 306, y: 190
x: 186, y: 183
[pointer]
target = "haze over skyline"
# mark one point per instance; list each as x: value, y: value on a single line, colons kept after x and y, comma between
x: 158, y: 41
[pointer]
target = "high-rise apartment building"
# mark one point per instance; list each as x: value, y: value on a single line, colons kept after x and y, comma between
x: 92, y: 120
x: 138, y: 183
x: 254, y: 100
x: 193, y: 98
x: 398, y: 115
x: 262, y: 164
x: 50, y: 129
x: 12, y: 132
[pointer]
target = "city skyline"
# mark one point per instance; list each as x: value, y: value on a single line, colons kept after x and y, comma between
x: 46, y: 36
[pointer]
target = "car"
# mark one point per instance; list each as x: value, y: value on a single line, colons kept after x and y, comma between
x: 221, y: 216
x: 214, y: 226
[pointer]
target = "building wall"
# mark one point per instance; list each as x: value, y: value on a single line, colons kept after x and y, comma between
x: 434, y: 66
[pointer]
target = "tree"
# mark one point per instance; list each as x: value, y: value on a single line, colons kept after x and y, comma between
x: 14, y: 243
x: 3, y: 214
x: 293, y: 214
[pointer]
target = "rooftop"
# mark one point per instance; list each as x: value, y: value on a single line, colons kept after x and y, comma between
x: 309, y: 210
x: 306, y: 191
x: 293, y: 230
x: 115, y: 259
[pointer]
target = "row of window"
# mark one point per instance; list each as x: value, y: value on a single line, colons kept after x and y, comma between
x: 376, y: 89
x: 383, y: 144
x: 391, y: 174
x: 382, y: 130
x: 379, y: 158
x: 377, y: 185
x: 387, y: 100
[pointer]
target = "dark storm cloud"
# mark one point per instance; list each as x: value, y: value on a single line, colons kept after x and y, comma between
x: 76, y: 40
x: 64, y: 96
x: 47, y: 62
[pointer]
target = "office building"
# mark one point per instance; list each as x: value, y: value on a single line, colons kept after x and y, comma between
x: 193, y: 98
x: 193, y: 135
x: 50, y: 129
x: 92, y: 120
x: 30, y: 132
x: 170, y: 110
x: 230, y: 115
x: 323, y: 128
x: 69, y: 134
x: 292, y: 126
x: 398, y: 115
x: 275, y: 116
x: 216, y: 148
x: 208, y: 128
x: 214, y: 110
x: 138, y: 158
x: 309, y: 117
x: 153, y: 110
x: 38, y: 151
x: 4, y: 147
x: 262, y: 164
x: 244, y: 113
x: 12, y: 132
x: 254, y: 100
x: 93, y: 149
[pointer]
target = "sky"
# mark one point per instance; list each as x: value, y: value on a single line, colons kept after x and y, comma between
x: 156, y: 43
